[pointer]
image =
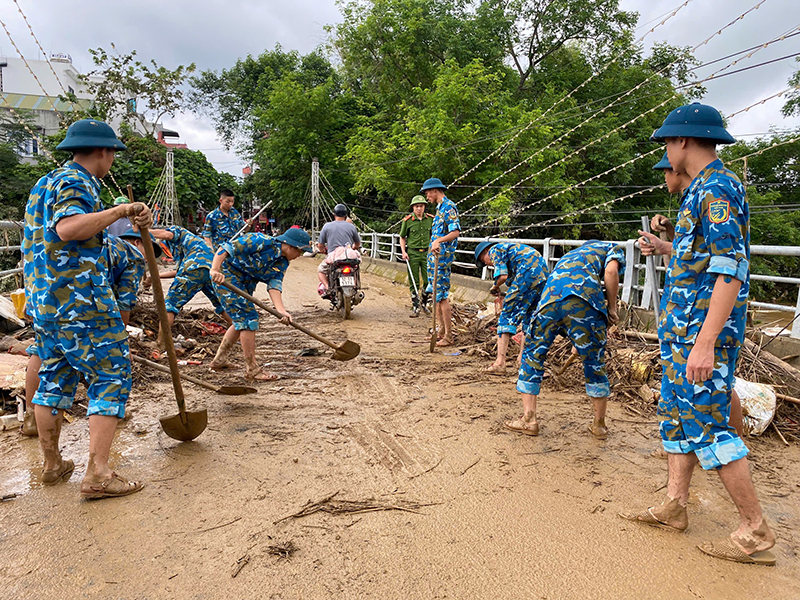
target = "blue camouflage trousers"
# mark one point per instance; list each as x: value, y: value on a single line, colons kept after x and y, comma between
x: 96, y: 349
x: 585, y: 327
x: 443, y: 282
x: 186, y: 286
x: 521, y: 300
x: 695, y: 417
x: 241, y: 311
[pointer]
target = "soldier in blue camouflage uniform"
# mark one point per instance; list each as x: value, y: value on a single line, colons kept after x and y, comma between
x: 525, y: 272
x: 444, y: 240
x: 701, y: 329
x: 76, y: 317
x: 573, y: 304
x: 222, y: 223
x: 192, y: 263
x: 244, y: 262
x: 126, y: 265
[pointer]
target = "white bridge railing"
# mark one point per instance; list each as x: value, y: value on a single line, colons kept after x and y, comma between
x: 636, y: 285
x: 5, y: 227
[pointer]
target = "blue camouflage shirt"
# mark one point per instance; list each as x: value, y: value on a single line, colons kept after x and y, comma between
x: 712, y: 238
x: 189, y: 251
x: 580, y: 273
x: 257, y: 256
x: 514, y: 260
x: 221, y: 228
x: 445, y: 221
x: 126, y: 269
x: 66, y: 281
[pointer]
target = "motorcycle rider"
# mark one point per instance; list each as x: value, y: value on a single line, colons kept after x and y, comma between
x: 338, y: 239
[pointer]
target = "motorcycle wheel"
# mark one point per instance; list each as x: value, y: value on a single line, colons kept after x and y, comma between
x: 346, y: 303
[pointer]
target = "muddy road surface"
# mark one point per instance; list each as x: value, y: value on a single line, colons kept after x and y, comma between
x: 478, y: 512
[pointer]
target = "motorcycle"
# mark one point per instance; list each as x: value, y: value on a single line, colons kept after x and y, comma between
x: 345, y: 285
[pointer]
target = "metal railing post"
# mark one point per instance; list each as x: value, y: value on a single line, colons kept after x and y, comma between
x: 392, y: 249
x: 547, y: 253
x: 796, y: 324
x: 630, y: 271
x: 376, y: 251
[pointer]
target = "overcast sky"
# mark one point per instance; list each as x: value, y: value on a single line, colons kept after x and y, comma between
x: 214, y: 34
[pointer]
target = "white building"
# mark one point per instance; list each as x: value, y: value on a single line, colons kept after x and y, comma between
x: 21, y: 91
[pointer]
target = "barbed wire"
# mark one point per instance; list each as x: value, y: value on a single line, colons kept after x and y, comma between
x: 639, y: 85
x: 626, y: 197
x: 569, y: 95
x: 49, y: 64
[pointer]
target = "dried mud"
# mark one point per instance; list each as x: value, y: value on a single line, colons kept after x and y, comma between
x: 494, y: 515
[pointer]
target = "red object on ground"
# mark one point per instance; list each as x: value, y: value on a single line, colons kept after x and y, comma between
x: 213, y: 328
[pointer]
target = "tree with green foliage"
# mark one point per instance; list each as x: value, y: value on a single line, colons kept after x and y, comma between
x: 137, y: 93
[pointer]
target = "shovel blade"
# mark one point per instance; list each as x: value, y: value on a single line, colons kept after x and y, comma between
x: 346, y: 351
x: 236, y: 390
x: 175, y: 428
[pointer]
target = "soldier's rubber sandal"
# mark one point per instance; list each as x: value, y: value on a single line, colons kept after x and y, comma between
x: 727, y: 550
x: 63, y: 473
x: 114, y: 486
x: 523, y: 427
x: 645, y: 517
x: 493, y: 370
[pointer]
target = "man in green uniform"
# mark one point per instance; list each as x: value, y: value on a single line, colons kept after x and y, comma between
x: 415, y: 235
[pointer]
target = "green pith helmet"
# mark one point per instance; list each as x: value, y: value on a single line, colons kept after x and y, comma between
x: 418, y: 200
x: 87, y: 134
x: 121, y: 200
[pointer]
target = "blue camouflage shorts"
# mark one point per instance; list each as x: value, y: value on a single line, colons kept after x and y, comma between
x: 443, y: 282
x: 695, y: 418
x: 32, y: 350
x: 584, y: 325
x: 186, y: 286
x: 521, y: 300
x: 96, y: 349
x: 242, y: 312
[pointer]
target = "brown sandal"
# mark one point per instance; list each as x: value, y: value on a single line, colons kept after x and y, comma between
x: 727, y: 550
x: 114, y: 486
x: 62, y: 473
x: 522, y: 426
x: 646, y: 517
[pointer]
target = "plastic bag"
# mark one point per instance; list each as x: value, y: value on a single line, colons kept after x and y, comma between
x: 758, y: 405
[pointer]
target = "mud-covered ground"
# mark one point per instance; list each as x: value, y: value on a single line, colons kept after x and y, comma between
x: 505, y: 516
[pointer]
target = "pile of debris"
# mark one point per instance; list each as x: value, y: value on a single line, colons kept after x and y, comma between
x: 634, y: 368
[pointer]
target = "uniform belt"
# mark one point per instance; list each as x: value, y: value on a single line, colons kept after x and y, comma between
x: 419, y: 249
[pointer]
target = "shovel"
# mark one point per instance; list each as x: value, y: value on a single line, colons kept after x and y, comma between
x: 416, y: 289
x: 228, y: 390
x: 434, y: 333
x: 184, y: 426
x: 346, y: 351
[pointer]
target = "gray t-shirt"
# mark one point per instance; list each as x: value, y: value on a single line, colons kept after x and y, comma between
x: 338, y: 233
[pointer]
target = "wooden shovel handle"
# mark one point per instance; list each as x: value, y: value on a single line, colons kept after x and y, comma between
x: 275, y: 313
x: 434, y: 333
x: 158, y: 298
x: 162, y: 368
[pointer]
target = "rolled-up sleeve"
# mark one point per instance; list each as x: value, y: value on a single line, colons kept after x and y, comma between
x: 618, y: 254
x: 724, y: 223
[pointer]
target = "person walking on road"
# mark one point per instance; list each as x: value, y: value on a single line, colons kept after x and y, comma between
x: 573, y: 304
x: 444, y: 240
x: 525, y: 273
x: 244, y: 262
x: 222, y: 223
x: 701, y: 329
x: 415, y: 236
x: 75, y: 314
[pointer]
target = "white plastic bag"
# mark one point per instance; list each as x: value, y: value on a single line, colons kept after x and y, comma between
x: 758, y: 405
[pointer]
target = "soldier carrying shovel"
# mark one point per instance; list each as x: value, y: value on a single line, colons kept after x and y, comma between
x: 415, y: 235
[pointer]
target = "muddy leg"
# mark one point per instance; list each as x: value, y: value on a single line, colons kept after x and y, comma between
x: 49, y: 426
x: 753, y: 533
x: 228, y: 342
x: 735, y: 420
x: 31, y: 385
x: 599, y: 429
x: 502, y: 349
x: 101, y: 434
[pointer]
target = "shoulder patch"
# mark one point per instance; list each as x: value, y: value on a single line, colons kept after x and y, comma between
x: 719, y: 211
x: 407, y: 217
x: 429, y: 215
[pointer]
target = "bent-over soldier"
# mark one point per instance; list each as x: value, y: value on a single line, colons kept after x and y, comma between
x: 244, y: 262
x: 525, y: 272
x: 573, y: 304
